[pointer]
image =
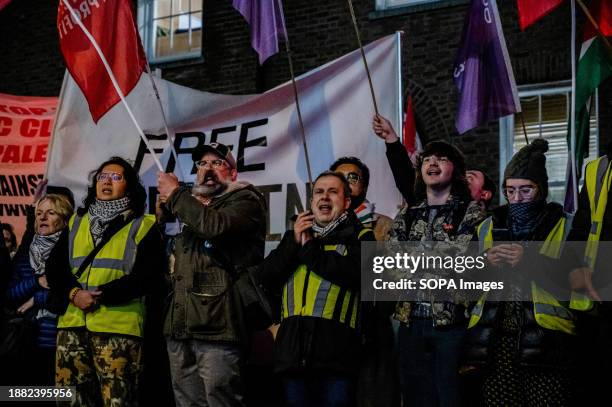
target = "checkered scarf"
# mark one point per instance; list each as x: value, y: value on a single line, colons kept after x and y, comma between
x: 323, y: 231
x: 39, y: 251
x: 102, y: 213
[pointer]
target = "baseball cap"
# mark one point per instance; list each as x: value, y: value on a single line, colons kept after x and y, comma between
x: 221, y: 150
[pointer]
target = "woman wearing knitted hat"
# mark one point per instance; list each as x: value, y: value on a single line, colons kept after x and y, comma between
x: 523, y: 345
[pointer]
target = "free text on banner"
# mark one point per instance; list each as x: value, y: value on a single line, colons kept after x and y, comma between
x: 25, y: 129
x: 262, y: 131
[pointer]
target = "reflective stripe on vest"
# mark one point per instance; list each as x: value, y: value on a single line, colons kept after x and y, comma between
x: 549, y: 313
x: 597, y: 176
x: 112, y: 262
x: 308, y: 294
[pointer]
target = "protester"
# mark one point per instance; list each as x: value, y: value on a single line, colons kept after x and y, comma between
x: 317, y: 349
x: 482, y: 188
x: 593, y: 223
x: 431, y: 332
x: 108, y: 260
x: 28, y: 290
x: 378, y: 381
x: 358, y: 176
x: 223, y: 235
x: 526, y: 346
x: 10, y: 240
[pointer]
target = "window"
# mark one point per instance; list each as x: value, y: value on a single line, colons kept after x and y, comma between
x: 546, y: 110
x: 387, y: 4
x: 170, y: 29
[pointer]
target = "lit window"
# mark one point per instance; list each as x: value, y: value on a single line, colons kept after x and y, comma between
x: 170, y: 29
x: 546, y: 110
x: 388, y: 4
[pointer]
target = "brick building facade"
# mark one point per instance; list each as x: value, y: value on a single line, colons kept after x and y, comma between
x: 319, y: 32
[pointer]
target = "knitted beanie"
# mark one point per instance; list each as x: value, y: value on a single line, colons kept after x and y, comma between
x: 530, y: 163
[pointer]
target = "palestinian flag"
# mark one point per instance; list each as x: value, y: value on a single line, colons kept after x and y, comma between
x: 594, y: 67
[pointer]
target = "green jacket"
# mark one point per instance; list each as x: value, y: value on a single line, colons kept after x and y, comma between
x: 217, y: 242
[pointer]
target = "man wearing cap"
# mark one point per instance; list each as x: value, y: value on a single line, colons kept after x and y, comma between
x: 222, y: 234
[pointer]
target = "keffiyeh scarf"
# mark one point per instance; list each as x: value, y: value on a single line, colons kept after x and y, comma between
x: 102, y: 213
x: 39, y: 251
x: 523, y: 217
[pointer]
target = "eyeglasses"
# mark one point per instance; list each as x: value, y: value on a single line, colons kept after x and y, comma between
x: 430, y: 158
x: 113, y: 176
x: 215, y: 164
x: 353, y: 178
x: 525, y: 192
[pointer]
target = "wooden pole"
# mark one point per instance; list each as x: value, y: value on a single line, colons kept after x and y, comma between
x: 363, y: 56
x: 296, y: 96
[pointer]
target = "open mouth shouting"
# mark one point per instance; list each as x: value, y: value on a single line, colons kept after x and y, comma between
x: 210, y: 179
x: 325, y: 208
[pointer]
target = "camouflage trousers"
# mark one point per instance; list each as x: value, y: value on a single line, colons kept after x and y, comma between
x: 104, y: 368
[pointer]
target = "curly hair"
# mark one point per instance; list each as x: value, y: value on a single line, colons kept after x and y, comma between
x: 135, y: 191
x: 441, y: 148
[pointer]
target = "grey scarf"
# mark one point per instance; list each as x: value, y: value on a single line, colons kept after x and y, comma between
x: 39, y: 251
x: 102, y: 213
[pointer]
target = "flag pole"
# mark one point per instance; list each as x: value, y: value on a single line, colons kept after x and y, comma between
x: 586, y: 11
x: 363, y: 56
x: 296, y: 96
x: 523, y: 125
x: 161, y: 108
x: 77, y: 19
x: 573, y: 107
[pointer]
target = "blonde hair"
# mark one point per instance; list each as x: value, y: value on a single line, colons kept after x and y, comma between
x: 60, y: 203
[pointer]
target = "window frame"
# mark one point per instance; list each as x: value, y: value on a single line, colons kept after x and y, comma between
x: 506, y: 124
x: 391, y: 4
x: 146, y: 25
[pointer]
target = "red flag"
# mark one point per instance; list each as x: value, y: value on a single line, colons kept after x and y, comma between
x: 4, y: 3
x: 531, y: 11
x: 410, y: 138
x: 111, y: 23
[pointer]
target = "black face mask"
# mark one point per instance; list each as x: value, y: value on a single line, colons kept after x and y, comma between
x: 357, y: 200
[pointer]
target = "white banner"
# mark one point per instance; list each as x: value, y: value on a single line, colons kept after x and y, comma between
x: 262, y: 131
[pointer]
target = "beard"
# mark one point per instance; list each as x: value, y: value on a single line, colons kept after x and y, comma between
x: 357, y: 200
x: 208, y: 191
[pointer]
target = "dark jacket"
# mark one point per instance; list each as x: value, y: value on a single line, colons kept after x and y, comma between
x: 24, y: 285
x: 537, y: 346
x: 217, y: 243
x: 307, y: 344
x: 147, y: 275
x: 403, y: 171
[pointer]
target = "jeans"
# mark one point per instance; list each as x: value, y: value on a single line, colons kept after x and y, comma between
x: 429, y: 363
x: 318, y: 391
x: 205, y: 374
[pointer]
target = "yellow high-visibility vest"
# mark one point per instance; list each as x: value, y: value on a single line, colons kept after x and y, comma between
x: 549, y: 312
x: 597, y: 177
x: 308, y: 294
x: 113, y: 261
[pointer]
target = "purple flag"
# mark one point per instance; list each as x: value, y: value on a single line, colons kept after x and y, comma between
x: 267, y: 23
x: 483, y: 74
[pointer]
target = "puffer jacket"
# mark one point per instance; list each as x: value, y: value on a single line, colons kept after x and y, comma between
x: 536, y: 346
x: 24, y: 285
x: 217, y: 243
